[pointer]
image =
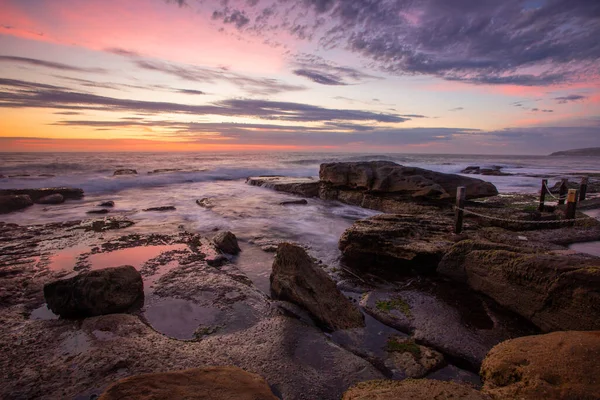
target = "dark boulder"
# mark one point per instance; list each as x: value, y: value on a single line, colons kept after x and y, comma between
x: 104, y: 291
x: 215, y: 383
x: 226, y: 242
x: 300, y: 202
x: 205, y: 202
x: 56, y: 198
x: 298, y: 279
x: 162, y: 208
x: 100, y: 211
x: 35, y: 194
x: 108, y: 203
x: 10, y: 203
x: 125, y: 172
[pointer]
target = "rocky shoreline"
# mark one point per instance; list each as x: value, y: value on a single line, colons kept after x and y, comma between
x: 410, y: 299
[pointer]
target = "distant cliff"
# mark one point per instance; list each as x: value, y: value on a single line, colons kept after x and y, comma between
x: 590, y: 151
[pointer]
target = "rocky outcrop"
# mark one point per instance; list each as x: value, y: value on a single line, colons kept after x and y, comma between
x: 56, y: 198
x: 559, y: 365
x: 108, y: 203
x: 125, y: 171
x: 384, y: 177
x: 104, y: 291
x: 35, y: 194
x: 205, y: 203
x: 216, y: 383
x: 306, y: 187
x: 494, y: 170
x: 10, y: 203
x: 587, y: 152
x: 411, y: 359
x: 298, y: 279
x: 397, y: 243
x: 412, y: 389
x: 226, y: 242
x: 554, y: 291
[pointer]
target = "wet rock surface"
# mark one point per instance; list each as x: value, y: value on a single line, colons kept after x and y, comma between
x: 35, y: 194
x: 412, y: 389
x: 298, y: 279
x: 125, y: 172
x: 55, y: 198
x: 220, y: 383
x: 14, y: 202
x: 307, y: 187
x: 205, y: 203
x: 560, y: 365
x: 108, y: 203
x: 104, y: 291
x: 226, y: 242
x: 300, y: 202
x: 494, y: 170
x: 161, y: 208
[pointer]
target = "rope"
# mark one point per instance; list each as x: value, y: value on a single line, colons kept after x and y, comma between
x: 553, y: 196
x: 519, y: 220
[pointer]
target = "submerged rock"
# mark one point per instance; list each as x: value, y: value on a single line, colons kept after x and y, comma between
x: 412, y: 389
x: 163, y: 170
x: 125, y: 172
x: 294, y: 202
x: 391, y: 178
x: 10, y: 203
x: 298, y: 279
x: 100, y: 211
x: 103, y: 291
x: 35, y: 194
x: 560, y: 365
x: 397, y: 243
x: 205, y: 203
x: 108, y: 203
x: 554, y: 291
x: 494, y: 170
x: 306, y: 187
x: 215, y: 383
x: 226, y: 242
x: 56, y: 198
x: 162, y: 208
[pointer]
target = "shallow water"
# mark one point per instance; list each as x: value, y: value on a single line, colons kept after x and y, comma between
x: 592, y: 248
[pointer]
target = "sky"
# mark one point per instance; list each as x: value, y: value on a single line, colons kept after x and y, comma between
x: 410, y: 76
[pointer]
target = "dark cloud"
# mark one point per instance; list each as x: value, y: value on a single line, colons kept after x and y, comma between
x: 326, y: 72
x: 122, y: 52
x: 481, y: 42
x: 190, y: 91
x: 235, y: 17
x: 572, y: 97
x: 20, y: 94
x: 48, y: 64
x: 318, y: 77
x: 456, y: 109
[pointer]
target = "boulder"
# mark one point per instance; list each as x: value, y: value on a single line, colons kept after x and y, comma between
x: 298, y: 279
x: 161, y: 208
x: 307, y: 187
x: 409, y: 359
x: 226, y: 242
x: 559, y: 365
x: 163, y: 171
x: 125, y: 172
x: 215, y: 383
x: 385, y: 177
x: 103, y: 291
x: 35, y: 194
x: 300, y: 202
x: 412, y: 389
x: 56, y: 198
x: 494, y: 170
x: 100, y: 211
x: 10, y: 203
x: 553, y: 291
x: 397, y: 243
x: 205, y: 203
x: 108, y: 203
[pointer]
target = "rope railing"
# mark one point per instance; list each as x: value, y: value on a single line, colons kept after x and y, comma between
x: 520, y: 221
x: 553, y: 196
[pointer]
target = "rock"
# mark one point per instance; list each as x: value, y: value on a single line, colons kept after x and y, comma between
x: 205, y: 203
x: 35, y: 194
x: 298, y: 279
x: 102, y: 211
x: 125, y: 172
x: 559, y: 365
x: 494, y: 170
x: 162, y: 208
x: 397, y: 243
x: 108, y: 224
x: 19, y: 176
x: 553, y: 291
x: 10, y: 203
x: 163, y: 170
x: 226, y: 242
x: 306, y: 187
x: 46, y: 175
x: 108, y: 203
x: 2, y: 176
x: 215, y: 383
x: 103, y: 291
x: 56, y: 198
x: 410, y: 359
x: 401, y: 181
x: 294, y: 202
x: 412, y: 389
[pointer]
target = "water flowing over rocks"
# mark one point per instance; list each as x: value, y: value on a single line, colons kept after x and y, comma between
x: 412, y: 389
x: 494, y: 170
x: 297, y: 278
x: 559, y: 365
x: 108, y: 203
x: 14, y: 202
x: 56, y: 198
x: 218, y: 383
x: 307, y: 187
x: 36, y: 194
x: 226, y: 242
x: 99, y: 292
x: 205, y: 203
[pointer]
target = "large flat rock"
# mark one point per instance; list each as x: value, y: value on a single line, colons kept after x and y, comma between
x: 306, y: 187
x: 35, y: 194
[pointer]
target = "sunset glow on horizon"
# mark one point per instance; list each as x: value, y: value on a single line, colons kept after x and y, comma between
x: 515, y: 77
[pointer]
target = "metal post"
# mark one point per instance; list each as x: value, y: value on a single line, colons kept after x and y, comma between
x: 543, y: 194
x: 583, y: 188
x: 571, y: 204
x: 460, y: 205
x: 562, y: 193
